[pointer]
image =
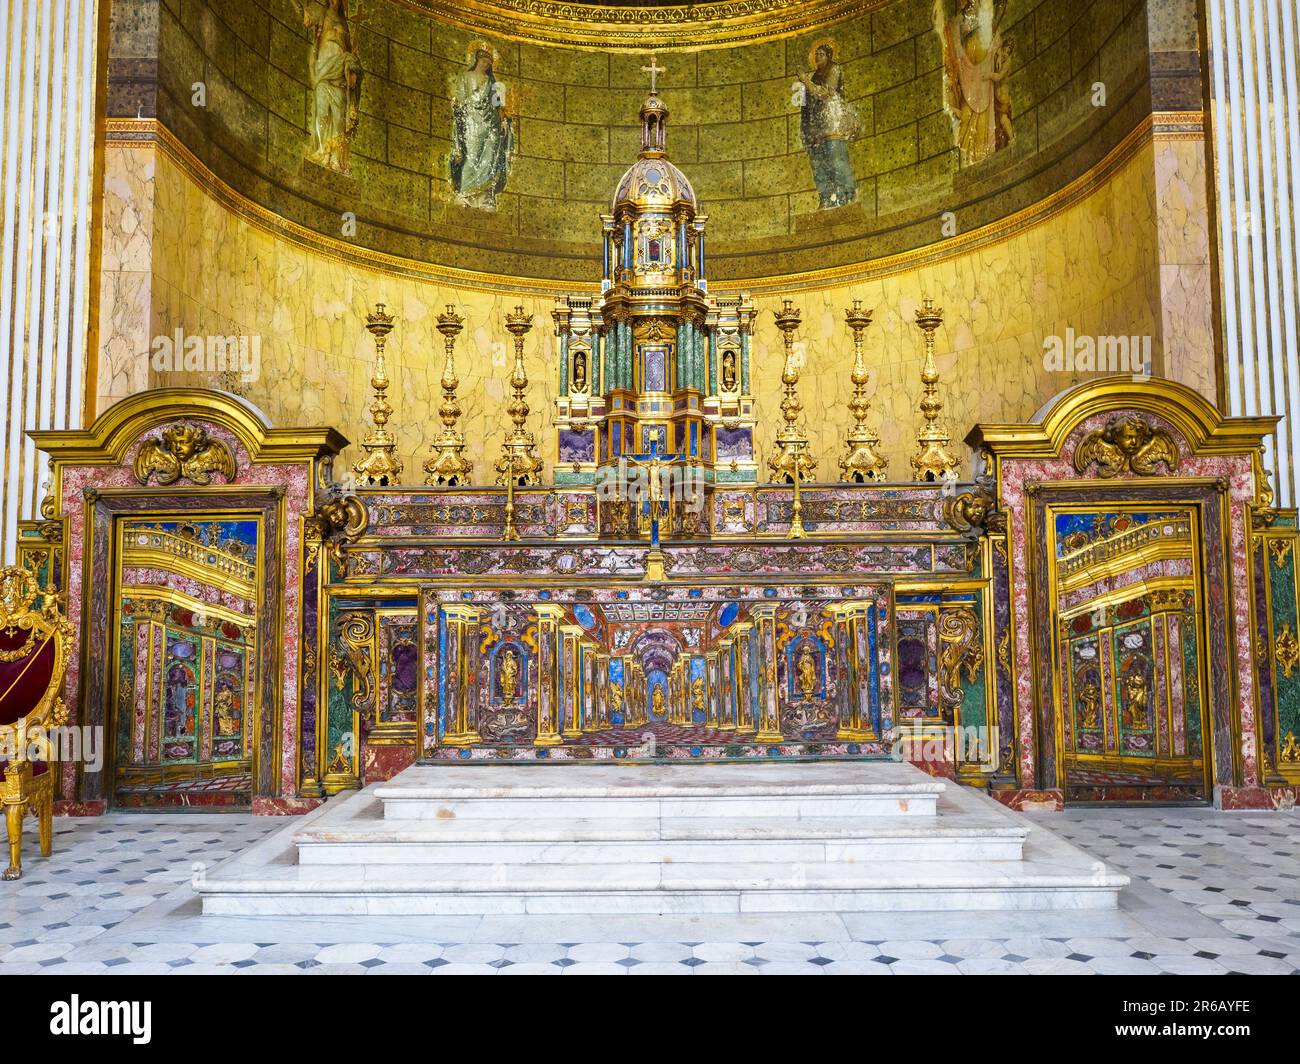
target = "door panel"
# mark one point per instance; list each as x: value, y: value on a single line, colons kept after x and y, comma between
x: 184, y: 687
x: 1128, y: 652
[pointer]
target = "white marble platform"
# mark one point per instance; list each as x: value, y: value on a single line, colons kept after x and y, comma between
x: 690, y: 839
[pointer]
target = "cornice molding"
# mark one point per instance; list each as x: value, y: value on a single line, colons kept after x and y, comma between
x: 712, y: 24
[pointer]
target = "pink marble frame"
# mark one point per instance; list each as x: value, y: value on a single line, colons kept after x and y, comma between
x: 1018, y: 475
x: 292, y: 476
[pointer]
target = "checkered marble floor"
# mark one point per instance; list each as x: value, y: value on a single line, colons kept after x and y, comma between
x: 1212, y: 893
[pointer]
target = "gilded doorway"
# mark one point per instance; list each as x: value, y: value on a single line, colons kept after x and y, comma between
x: 184, y: 660
x: 1127, y: 596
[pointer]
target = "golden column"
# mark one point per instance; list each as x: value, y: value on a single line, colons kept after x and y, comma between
x: 548, y: 675
x: 712, y: 691
x: 463, y: 652
x: 380, y: 467
x: 744, y: 704
x: 769, y: 695
x: 602, y: 691
x: 727, y: 684
x: 934, y: 460
x: 588, y: 654
x: 519, y: 463
x: 791, y: 452
x: 448, y: 464
x: 863, y: 462
x: 571, y: 692
x: 851, y: 650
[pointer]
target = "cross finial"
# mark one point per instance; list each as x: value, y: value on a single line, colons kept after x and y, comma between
x: 654, y: 70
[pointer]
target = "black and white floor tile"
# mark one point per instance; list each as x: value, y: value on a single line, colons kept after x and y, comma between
x: 1212, y: 893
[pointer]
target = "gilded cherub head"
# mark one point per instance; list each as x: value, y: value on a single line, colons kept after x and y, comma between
x: 184, y: 440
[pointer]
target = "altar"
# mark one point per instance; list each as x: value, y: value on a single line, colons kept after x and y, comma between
x: 1096, y: 604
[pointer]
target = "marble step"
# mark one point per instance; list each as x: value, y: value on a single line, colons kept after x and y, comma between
x: 899, y: 886
x: 636, y: 852
x: 605, y: 840
x: 875, y: 789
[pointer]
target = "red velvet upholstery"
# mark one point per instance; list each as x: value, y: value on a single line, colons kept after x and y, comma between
x: 25, y: 681
x: 39, y: 768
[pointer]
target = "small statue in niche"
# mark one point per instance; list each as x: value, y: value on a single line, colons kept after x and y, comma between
x: 729, y: 371
x: 657, y: 700
x: 334, y: 71
x: 807, y: 666
x: 483, y: 134
x: 508, y: 676
x: 580, y: 371
x: 1135, y: 698
x: 697, y: 693
x: 1089, y: 705
x: 227, y: 716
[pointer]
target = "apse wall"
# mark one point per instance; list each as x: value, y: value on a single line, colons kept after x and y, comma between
x: 1101, y: 231
x: 735, y: 127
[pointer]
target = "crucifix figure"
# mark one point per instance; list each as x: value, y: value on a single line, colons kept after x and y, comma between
x: 654, y: 71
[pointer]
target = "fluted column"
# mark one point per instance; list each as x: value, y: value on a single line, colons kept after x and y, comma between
x: 744, y: 633
x: 768, y: 711
x: 727, y: 685
x: 601, y: 709
x: 711, y: 695
x: 548, y: 675
x: 462, y: 670
x: 854, y: 677
x: 570, y: 681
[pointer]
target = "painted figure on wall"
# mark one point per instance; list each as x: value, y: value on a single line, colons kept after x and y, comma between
x: 334, y: 71
x: 977, y: 59
x: 483, y: 134
x: 827, y: 122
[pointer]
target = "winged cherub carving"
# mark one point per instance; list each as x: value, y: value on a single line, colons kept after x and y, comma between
x: 1127, y: 442
x: 184, y: 451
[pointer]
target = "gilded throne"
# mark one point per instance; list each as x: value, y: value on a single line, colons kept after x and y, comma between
x: 33, y: 659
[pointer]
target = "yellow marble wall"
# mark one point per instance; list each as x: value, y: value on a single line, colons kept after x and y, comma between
x: 1111, y: 264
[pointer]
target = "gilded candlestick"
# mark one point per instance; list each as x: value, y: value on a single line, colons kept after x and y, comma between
x: 934, y: 459
x: 862, y: 461
x: 380, y: 467
x: 519, y: 462
x: 796, y: 509
x: 447, y: 464
x: 791, y: 457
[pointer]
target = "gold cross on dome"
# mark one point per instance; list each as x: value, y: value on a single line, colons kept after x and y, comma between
x: 654, y: 71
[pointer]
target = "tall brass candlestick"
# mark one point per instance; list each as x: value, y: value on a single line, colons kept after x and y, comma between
x: 380, y: 467
x: 934, y: 459
x: 519, y: 462
x: 796, y: 508
x: 448, y: 464
x: 508, y: 530
x: 862, y: 461
x: 791, y: 457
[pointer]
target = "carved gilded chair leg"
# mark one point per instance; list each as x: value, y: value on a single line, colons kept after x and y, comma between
x: 46, y: 821
x: 14, y: 824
